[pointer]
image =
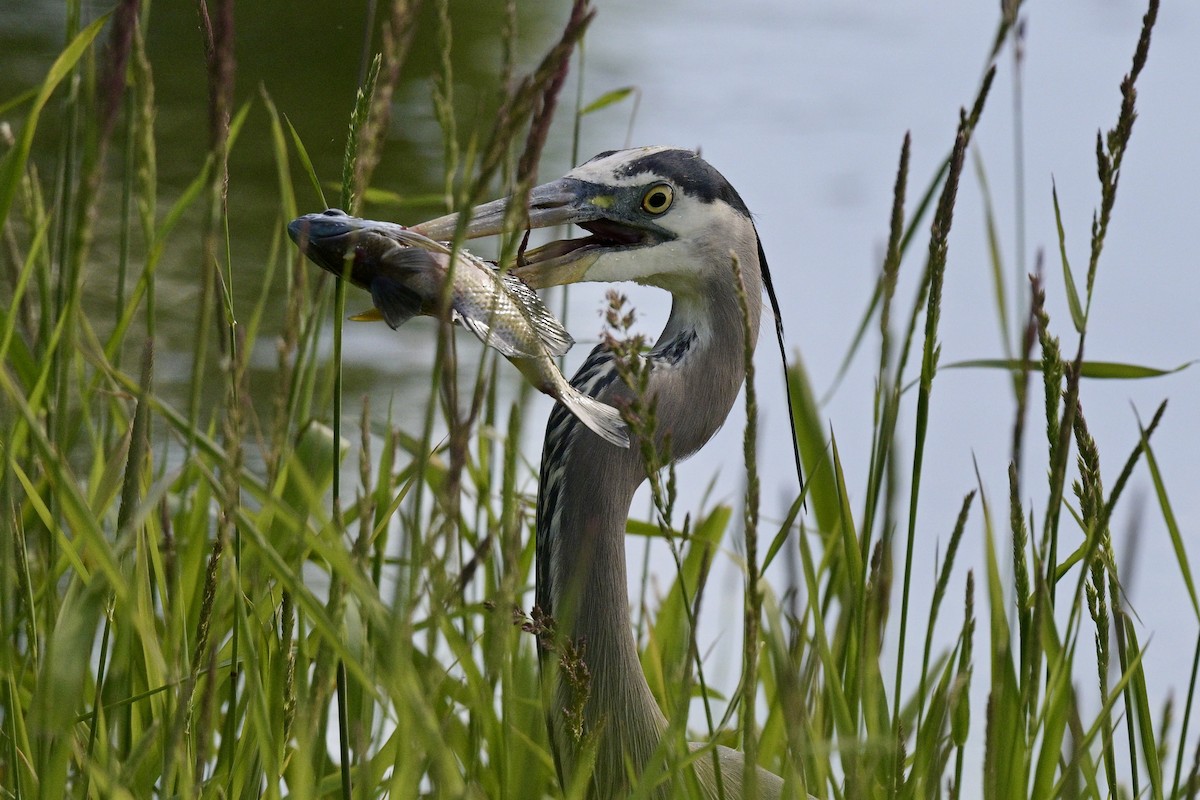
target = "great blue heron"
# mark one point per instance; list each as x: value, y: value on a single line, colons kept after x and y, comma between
x: 661, y: 217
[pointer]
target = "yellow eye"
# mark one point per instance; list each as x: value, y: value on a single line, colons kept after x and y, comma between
x: 657, y: 198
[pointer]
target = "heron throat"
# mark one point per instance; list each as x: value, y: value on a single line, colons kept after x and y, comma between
x: 696, y: 370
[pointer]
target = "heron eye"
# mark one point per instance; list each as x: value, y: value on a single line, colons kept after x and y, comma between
x: 657, y: 198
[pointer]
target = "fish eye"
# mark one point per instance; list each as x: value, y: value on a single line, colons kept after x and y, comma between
x: 657, y: 198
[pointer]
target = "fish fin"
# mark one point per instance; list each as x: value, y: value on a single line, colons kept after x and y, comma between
x: 370, y: 315
x: 508, y: 345
x: 552, y: 333
x: 397, y: 304
x: 603, y: 420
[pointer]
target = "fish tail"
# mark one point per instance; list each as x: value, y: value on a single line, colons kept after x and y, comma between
x: 603, y: 420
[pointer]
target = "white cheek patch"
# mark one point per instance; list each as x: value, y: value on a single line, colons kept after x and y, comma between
x: 691, y: 217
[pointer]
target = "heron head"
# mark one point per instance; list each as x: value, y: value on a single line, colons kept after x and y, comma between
x: 660, y: 216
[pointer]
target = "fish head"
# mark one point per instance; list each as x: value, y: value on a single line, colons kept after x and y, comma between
x: 351, y: 247
x: 333, y: 240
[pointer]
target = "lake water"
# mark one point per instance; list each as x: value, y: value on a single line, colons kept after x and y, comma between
x: 803, y: 106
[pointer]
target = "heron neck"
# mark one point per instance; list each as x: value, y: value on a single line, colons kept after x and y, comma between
x: 586, y: 489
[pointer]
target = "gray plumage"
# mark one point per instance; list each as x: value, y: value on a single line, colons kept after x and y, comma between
x: 661, y: 217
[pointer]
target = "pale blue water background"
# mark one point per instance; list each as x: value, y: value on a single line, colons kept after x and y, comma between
x: 803, y: 106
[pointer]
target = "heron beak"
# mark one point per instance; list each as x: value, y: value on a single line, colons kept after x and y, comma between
x: 562, y: 202
x: 556, y: 203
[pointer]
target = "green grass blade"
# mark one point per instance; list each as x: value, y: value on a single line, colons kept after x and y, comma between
x: 1078, y: 318
x: 306, y: 161
x: 1164, y: 504
x: 814, y: 449
x: 1097, y: 370
x: 1141, y: 702
x: 995, y: 259
x: 609, y: 98
x: 12, y: 166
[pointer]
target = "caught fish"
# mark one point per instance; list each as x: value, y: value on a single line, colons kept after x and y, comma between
x: 406, y: 272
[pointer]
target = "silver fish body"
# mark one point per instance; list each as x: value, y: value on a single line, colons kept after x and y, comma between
x: 406, y: 274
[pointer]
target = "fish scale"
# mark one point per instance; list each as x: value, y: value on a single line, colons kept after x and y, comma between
x: 407, y: 273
